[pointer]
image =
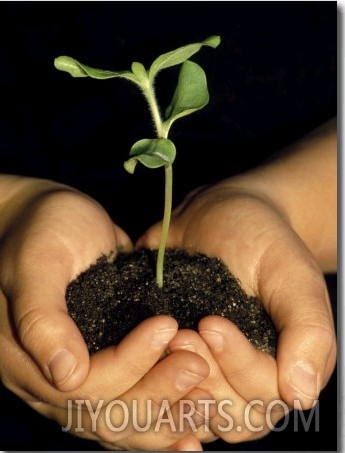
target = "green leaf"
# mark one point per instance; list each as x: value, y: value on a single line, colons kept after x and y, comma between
x: 191, y: 93
x: 153, y: 153
x: 180, y: 55
x: 212, y: 41
x: 140, y: 72
x: 77, y: 69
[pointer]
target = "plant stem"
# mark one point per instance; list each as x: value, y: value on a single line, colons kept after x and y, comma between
x: 152, y: 101
x: 161, y: 133
x: 165, y: 224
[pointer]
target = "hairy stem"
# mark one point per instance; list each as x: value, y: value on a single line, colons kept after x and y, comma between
x: 161, y: 133
x: 153, y: 105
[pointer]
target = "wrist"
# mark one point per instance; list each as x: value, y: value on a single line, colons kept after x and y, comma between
x: 301, y: 186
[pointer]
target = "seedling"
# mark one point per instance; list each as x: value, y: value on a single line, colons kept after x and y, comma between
x: 191, y: 94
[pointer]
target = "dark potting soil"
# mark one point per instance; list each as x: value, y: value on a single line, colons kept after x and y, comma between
x: 110, y: 298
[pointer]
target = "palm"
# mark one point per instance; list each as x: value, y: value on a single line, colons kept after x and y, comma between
x: 257, y: 243
x: 57, y: 235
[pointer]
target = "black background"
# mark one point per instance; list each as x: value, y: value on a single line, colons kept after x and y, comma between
x: 272, y: 79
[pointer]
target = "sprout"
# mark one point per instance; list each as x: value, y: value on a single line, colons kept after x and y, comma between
x: 191, y: 94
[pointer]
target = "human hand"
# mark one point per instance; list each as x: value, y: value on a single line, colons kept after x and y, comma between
x: 44, y: 229
x: 257, y: 243
x: 120, y: 380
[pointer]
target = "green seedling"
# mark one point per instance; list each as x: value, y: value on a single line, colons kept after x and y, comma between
x: 191, y: 94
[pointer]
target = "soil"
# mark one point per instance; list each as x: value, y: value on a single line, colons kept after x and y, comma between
x: 110, y: 298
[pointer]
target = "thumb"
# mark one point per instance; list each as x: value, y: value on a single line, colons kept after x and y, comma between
x: 306, y: 353
x: 306, y: 358
x: 36, y: 295
x: 43, y: 324
x: 123, y: 242
x: 49, y: 335
x: 150, y: 239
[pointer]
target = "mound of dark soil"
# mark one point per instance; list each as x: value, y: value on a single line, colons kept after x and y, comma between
x: 110, y: 298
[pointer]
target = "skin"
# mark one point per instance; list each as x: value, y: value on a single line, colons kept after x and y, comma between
x: 251, y: 221
x: 275, y: 228
x: 44, y: 360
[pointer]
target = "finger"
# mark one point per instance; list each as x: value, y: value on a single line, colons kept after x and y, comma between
x: 187, y: 443
x: 116, y: 369
x: 135, y: 419
x: 171, y: 379
x: 171, y: 420
x: 300, y: 309
x: 150, y: 239
x: 42, y: 259
x: 123, y: 242
x: 224, y: 396
x: 236, y: 357
x: 233, y: 382
x: 39, y: 321
x: 45, y: 329
x: 302, y: 372
x: 113, y: 370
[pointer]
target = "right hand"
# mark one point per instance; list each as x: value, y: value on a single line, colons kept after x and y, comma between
x: 233, y: 221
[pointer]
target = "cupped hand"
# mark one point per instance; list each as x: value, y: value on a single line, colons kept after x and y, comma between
x: 49, y: 234
x: 243, y: 382
x: 255, y: 240
x: 126, y: 394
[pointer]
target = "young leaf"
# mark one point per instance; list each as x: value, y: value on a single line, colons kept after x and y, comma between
x: 180, y: 55
x: 77, y: 69
x: 152, y: 153
x: 191, y: 93
x: 212, y: 41
x: 140, y: 72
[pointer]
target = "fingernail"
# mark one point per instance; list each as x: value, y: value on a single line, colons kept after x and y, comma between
x: 214, y: 339
x: 162, y: 337
x: 304, y: 380
x: 61, y: 365
x: 186, y: 379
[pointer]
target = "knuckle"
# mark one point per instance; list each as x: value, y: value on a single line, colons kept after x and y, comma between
x: 316, y: 331
x: 31, y: 326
